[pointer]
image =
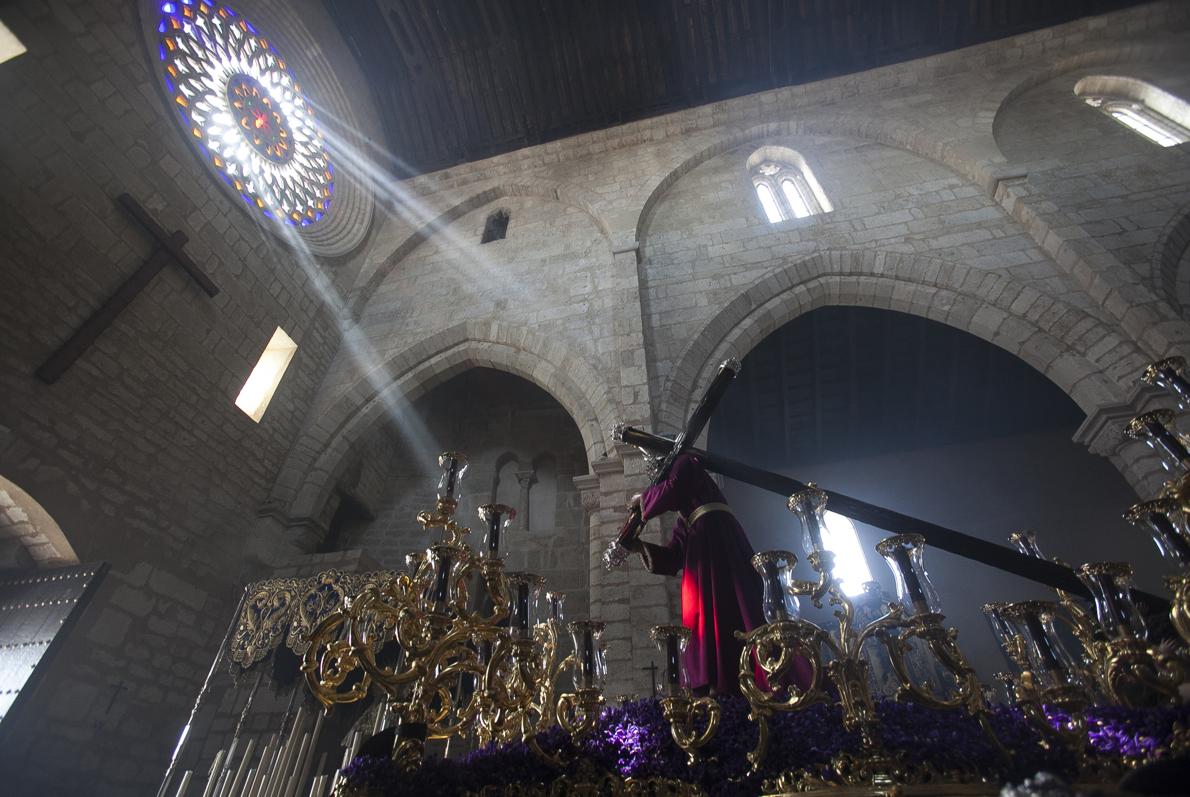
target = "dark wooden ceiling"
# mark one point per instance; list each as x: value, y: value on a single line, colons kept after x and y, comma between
x: 845, y: 383
x: 458, y: 80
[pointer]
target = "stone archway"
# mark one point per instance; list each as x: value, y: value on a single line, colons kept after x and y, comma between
x: 25, y: 523
x: 550, y: 364
x: 1089, y: 361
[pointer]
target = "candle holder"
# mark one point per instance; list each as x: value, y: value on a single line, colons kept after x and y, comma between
x: 775, y: 648
x: 684, y: 713
x: 1155, y: 428
x: 578, y: 711
x: 496, y: 518
x: 488, y: 673
x: 1166, y: 524
x: 809, y: 505
x: 454, y: 467
x: 1048, y: 676
x: 925, y: 622
x: 1133, y: 673
x: 776, y: 573
x: 1169, y: 374
x: 1080, y: 621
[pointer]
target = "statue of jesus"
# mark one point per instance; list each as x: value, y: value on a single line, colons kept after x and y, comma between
x: 721, y: 592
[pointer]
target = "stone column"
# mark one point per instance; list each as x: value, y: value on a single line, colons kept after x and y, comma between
x: 526, y: 479
x: 629, y: 599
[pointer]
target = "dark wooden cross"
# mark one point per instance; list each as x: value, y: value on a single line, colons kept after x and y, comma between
x: 652, y: 670
x: 168, y: 249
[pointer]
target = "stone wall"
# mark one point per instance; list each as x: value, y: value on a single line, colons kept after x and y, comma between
x: 137, y: 452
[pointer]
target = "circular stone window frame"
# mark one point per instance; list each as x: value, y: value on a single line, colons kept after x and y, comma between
x: 350, y: 216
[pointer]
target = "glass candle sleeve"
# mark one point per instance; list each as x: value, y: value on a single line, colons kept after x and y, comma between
x: 809, y: 505
x: 453, y: 466
x: 555, y: 605
x: 590, y: 671
x: 1109, y: 584
x: 1155, y: 428
x: 1169, y: 375
x: 438, y: 594
x: 523, y: 589
x: 1166, y: 523
x: 1047, y: 658
x: 497, y: 518
x: 672, y: 640
x: 1002, y: 630
x: 1026, y: 543
x: 915, y: 591
x: 776, y: 574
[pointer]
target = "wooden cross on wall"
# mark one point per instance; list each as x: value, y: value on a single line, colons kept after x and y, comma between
x: 168, y: 249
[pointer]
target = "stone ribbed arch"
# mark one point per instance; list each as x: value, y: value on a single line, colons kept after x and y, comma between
x: 555, y: 365
x: 1076, y: 351
x: 972, y: 157
x: 567, y: 194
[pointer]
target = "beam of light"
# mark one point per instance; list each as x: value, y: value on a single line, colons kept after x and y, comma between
x: 477, y: 274
x: 357, y: 351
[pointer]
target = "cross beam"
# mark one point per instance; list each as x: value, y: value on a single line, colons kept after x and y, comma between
x: 1000, y: 557
x: 169, y: 249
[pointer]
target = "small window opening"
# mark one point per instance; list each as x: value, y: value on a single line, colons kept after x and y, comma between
x: 785, y: 185
x: 495, y: 228
x: 262, y: 383
x: 1141, y: 107
x: 10, y: 45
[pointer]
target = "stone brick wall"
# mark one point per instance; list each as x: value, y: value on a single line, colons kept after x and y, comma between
x: 137, y: 452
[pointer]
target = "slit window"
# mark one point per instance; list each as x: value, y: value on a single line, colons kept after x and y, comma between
x: 10, y: 45
x: 262, y: 383
x: 496, y: 227
x: 1143, y: 108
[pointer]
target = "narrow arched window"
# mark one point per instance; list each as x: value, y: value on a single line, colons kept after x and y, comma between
x: 785, y: 185
x: 1141, y: 107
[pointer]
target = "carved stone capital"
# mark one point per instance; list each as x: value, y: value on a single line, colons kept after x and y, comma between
x: 1103, y: 430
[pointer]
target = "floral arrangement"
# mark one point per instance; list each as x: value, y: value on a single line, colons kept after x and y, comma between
x: 633, y: 741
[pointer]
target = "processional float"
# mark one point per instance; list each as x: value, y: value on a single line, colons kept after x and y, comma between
x: 454, y: 647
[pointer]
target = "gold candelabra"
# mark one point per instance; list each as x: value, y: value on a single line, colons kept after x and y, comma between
x: 769, y: 663
x: 450, y: 663
x: 684, y: 712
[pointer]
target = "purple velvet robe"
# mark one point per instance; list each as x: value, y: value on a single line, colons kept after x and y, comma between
x: 721, y: 592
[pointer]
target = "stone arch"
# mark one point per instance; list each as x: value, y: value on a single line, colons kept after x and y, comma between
x: 999, y: 97
x: 24, y: 521
x: 550, y: 364
x: 1087, y: 360
x: 1168, y: 253
x: 974, y: 158
x: 571, y: 195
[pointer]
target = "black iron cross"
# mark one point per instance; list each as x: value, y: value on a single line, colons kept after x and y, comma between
x: 168, y: 249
